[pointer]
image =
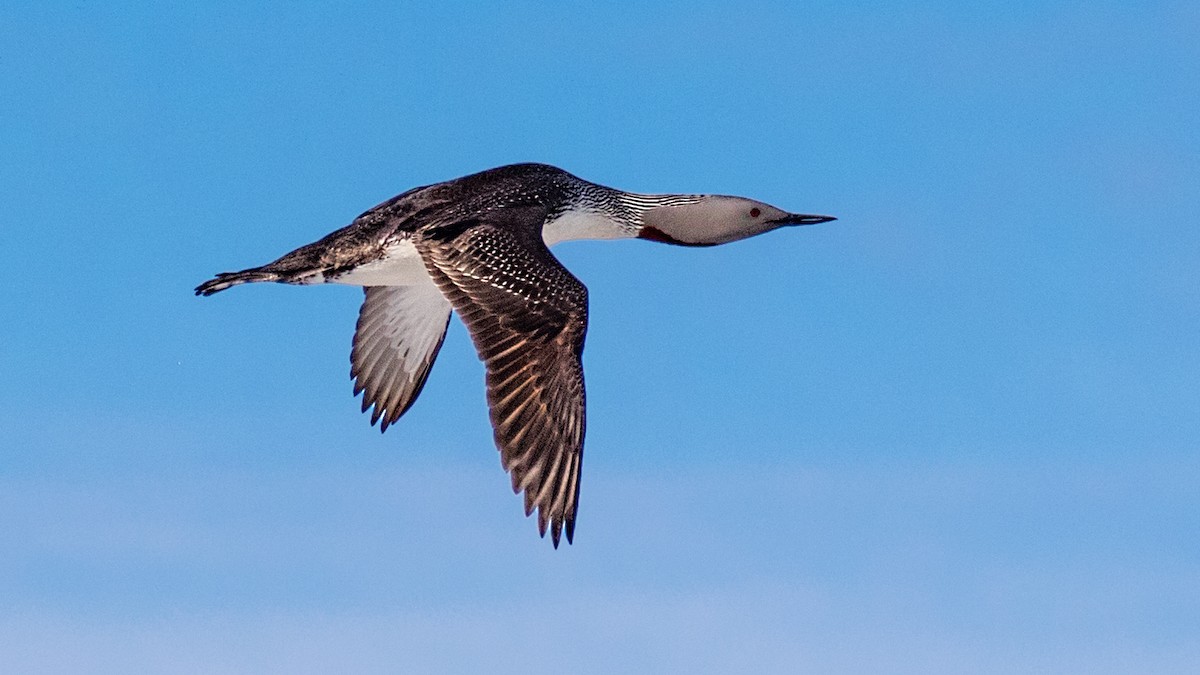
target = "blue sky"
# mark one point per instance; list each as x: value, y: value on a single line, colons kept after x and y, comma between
x: 954, y: 431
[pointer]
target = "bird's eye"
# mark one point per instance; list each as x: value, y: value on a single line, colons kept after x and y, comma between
x: 755, y: 212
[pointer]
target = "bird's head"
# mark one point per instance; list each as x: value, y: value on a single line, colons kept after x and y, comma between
x: 717, y: 219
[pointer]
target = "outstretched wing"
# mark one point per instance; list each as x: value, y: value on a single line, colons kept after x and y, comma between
x: 400, y: 330
x: 528, y: 317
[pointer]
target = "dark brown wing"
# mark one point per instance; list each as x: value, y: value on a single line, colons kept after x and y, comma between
x: 400, y: 330
x: 527, y: 316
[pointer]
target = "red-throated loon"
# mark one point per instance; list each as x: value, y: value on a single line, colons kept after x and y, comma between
x: 479, y: 245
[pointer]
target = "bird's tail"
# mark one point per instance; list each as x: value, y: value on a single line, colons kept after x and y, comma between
x: 226, y: 279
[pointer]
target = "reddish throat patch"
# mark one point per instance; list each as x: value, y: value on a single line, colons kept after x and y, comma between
x: 655, y: 234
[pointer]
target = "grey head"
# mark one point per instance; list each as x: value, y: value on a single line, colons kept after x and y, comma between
x: 709, y: 220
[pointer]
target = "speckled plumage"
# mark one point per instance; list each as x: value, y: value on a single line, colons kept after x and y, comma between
x: 479, y: 244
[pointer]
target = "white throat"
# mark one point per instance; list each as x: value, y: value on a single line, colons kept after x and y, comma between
x: 584, y: 224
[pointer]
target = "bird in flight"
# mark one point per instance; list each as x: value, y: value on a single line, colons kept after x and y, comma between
x: 479, y: 245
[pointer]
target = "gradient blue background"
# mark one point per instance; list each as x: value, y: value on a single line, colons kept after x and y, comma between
x: 954, y: 431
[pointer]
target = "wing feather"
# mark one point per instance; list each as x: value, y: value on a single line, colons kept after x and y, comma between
x: 400, y: 330
x: 527, y: 316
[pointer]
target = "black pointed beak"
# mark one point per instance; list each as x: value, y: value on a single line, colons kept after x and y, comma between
x: 802, y: 219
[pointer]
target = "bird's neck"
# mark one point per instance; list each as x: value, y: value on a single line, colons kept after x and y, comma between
x: 619, y: 215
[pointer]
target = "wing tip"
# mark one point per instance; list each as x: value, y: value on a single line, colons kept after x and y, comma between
x: 556, y: 525
x: 560, y: 527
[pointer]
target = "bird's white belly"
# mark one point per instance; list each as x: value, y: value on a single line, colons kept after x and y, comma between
x: 402, y: 266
